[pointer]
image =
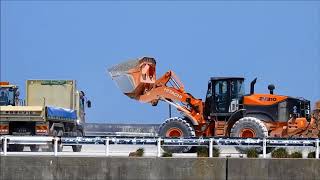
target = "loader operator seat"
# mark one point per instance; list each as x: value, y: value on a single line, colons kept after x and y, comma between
x: 4, y: 99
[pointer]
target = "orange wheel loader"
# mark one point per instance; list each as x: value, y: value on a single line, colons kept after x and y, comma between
x: 227, y: 110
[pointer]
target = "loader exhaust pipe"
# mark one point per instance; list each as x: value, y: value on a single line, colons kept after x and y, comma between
x: 252, y: 86
x: 271, y: 87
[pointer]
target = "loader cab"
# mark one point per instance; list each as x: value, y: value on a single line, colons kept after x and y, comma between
x: 224, y: 95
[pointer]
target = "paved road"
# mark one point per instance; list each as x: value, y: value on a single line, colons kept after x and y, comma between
x: 115, y: 150
x: 124, y: 150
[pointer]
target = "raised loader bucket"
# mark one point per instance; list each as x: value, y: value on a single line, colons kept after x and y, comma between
x: 134, y: 77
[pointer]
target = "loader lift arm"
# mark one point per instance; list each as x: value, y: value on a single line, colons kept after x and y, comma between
x: 137, y: 80
x: 169, y: 88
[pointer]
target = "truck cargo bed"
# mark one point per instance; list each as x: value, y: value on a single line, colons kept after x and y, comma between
x: 61, y: 113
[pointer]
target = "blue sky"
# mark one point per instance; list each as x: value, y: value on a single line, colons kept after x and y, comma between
x: 278, y: 42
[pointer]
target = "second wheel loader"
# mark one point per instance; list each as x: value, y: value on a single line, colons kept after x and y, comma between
x: 227, y: 111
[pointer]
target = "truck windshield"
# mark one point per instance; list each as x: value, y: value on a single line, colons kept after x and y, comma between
x: 237, y: 89
x: 6, y: 96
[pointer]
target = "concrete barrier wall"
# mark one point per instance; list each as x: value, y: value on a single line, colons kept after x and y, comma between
x: 282, y: 169
x: 54, y: 168
x: 110, y: 168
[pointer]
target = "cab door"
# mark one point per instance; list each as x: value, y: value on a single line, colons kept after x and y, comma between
x: 221, y: 96
x: 209, y: 103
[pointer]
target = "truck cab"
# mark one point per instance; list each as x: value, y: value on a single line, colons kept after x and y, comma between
x: 52, y: 108
x: 9, y: 94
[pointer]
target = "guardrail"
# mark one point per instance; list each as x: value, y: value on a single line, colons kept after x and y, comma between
x: 159, y: 142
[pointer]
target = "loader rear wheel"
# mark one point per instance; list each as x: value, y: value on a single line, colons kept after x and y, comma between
x: 249, y: 127
x: 77, y: 148
x: 176, y: 127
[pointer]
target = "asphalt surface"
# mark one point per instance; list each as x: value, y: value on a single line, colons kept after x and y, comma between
x: 124, y: 150
x: 114, y: 150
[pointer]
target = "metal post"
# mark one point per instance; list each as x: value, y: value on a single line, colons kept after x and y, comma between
x: 317, y: 149
x: 107, y: 146
x: 264, y: 146
x: 55, y: 146
x: 159, y: 147
x: 210, y: 147
x: 5, y: 141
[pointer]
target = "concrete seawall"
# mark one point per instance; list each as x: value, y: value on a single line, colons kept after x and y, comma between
x: 54, y: 168
x: 282, y: 169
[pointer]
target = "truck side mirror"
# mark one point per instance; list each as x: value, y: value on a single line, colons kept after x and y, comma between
x: 89, y: 104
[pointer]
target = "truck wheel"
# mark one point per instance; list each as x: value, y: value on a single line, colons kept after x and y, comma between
x: 16, y: 147
x: 60, y: 146
x: 249, y: 127
x: 77, y: 148
x: 34, y: 148
x: 56, y: 133
x: 51, y: 146
x: 176, y: 127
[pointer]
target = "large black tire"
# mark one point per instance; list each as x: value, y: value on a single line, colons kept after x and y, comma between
x: 60, y: 134
x: 77, y: 148
x: 1, y: 145
x: 34, y: 148
x: 176, y: 127
x: 249, y: 127
x: 56, y: 133
x: 16, y: 147
x: 51, y: 146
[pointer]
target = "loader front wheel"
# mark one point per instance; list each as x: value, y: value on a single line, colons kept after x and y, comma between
x: 249, y: 127
x: 175, y: 128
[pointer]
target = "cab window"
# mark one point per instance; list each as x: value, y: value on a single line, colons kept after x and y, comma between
x: 6, y: 96
x: 221, y: 96
x: 81, y: 103
x: 237, y: 89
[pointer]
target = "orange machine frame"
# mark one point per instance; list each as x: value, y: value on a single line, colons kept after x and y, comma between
x: 149, y: 90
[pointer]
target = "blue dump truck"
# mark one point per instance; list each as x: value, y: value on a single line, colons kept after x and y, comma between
x: 51, y: 108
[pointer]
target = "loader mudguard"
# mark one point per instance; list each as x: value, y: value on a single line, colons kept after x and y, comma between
x: 235, y: 117
x: 261, y: 116
x: 190, y: 120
